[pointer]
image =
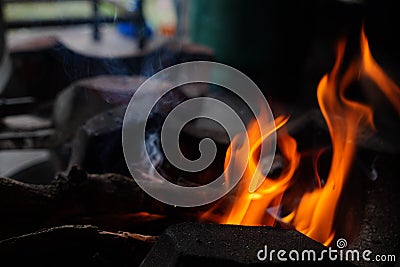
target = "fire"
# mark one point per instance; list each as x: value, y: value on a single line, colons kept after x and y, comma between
x: 259, y: 199
x: 372, y: 70
x: 250, y: 207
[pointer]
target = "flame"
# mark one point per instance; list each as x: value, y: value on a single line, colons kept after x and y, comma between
x: 250, y: 206
x: 259, y: 199
x: 372, y: 70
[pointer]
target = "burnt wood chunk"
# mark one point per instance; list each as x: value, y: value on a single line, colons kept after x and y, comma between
x: 108, y: 200
x: 75, y: 245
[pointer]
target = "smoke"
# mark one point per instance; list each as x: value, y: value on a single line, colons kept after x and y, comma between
x: 153, y: 151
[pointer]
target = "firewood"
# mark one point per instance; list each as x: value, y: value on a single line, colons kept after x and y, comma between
x: 73, y: 198
x: 71, y: 245
x: 127, y: 235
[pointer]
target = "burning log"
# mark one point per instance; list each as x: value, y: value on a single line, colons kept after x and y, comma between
x: 318, y: 208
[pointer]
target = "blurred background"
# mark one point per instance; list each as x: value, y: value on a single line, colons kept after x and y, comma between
x: 63, y: 62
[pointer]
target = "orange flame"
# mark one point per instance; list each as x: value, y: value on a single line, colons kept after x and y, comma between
x: 251, y: 206
x: 372, y: 70
x: 314, y: 214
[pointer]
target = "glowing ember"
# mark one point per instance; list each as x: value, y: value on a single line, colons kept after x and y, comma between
x: 259, y: 199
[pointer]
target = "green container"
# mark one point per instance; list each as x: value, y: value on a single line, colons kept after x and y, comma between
x: 240, y: 32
